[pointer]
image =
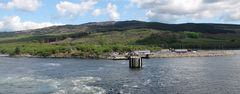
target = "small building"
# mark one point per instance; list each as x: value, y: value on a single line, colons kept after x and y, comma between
x: 143, y: 52
x: 181, y: 50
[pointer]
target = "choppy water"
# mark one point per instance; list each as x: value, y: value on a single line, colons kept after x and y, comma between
x: 199, y: 75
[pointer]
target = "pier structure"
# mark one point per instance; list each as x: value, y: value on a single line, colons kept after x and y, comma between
x: 135, y: 62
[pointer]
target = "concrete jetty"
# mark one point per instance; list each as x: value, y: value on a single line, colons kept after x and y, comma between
x: 135, y: 62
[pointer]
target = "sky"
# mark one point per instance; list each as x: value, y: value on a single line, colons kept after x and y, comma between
x: 32, y: 14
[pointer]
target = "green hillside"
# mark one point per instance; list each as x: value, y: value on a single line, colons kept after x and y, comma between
x: 96, y: 39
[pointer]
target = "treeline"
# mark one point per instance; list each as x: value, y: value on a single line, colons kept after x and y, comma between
x: 193, y: 40
x: 68, y: 50
x: 47, y: 38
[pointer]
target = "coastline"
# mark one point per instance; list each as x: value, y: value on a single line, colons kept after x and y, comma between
x: 200, y: 53
x: 158, y: 54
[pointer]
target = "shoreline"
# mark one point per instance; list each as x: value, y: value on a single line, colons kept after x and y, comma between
x: 200, y: 53
x: 159, y: 54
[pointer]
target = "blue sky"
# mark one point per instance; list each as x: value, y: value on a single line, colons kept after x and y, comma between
x: 47, y: 12
x: 32, y: 14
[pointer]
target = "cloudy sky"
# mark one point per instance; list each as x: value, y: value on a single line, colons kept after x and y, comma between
x: 32, y: 14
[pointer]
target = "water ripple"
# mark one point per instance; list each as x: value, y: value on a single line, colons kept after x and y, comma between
x: 22, y: 85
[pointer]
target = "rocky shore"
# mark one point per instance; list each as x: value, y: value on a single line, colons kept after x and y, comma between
x: 158, y: 54
x: 200, y: 53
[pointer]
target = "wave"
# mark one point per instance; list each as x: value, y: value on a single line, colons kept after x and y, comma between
x: 23, y: 85
x: 53, y: 64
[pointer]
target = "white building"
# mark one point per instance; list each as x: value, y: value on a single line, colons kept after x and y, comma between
x: 142, y: 52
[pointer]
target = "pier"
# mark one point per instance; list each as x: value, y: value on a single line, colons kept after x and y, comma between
x: 135, y: 62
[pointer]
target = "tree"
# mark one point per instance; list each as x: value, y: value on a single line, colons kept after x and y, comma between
x: 17, y: 50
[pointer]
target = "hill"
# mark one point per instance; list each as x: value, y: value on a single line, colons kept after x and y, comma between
x: 96, y: 38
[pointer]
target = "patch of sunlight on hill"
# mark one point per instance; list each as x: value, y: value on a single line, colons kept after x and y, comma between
x: 116, y: 37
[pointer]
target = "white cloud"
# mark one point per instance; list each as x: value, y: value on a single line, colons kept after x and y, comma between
x: 112, y: 12
x: 174, y: 10
x: 14, y: 23
x: 73, y: 9
x: 97, y: 12
x: 25, y: 5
